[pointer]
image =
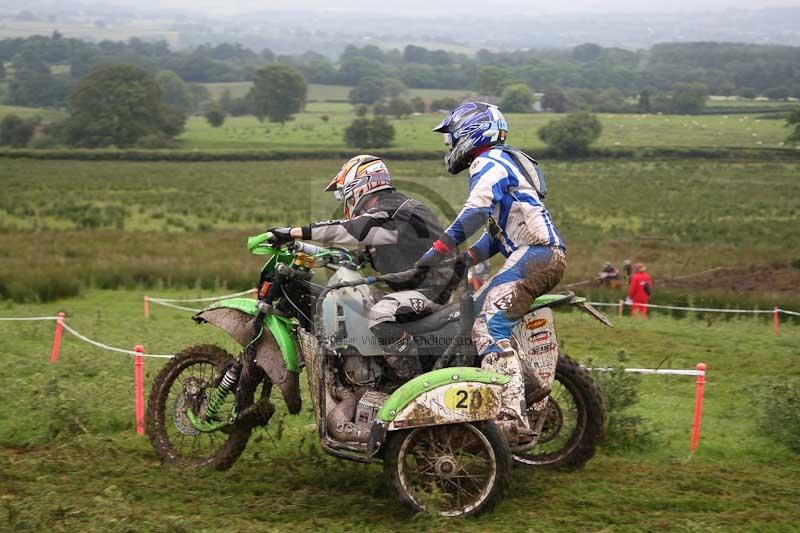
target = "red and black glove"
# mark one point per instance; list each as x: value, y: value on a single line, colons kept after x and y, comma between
x: 440, y: 251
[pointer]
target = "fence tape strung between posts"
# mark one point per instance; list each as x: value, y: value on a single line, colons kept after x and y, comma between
x: 112, y: 348
x: 699, y: 372
x: 701, y: 309
x: 172, y: 302
x: 662, y: 371
x: 208, y: 299
x: 179, y: 307
x: 32, y: 318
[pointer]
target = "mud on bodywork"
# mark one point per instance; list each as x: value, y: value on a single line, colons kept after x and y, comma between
x: 271, y: 357
x: 449, y: 404
x: 312, y: 356
x: 456, y: 394
x: 537, y: 346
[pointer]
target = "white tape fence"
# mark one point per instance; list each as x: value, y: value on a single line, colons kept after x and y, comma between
x: 172, y: 302
x: 63, y: 324
x: 698, y: 309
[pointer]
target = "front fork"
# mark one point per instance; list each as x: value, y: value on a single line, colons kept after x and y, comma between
x: 238, y: 376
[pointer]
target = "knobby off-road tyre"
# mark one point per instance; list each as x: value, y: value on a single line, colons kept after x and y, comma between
x: 586, y: 400
x: 161, y: 405
x: 408, y: 453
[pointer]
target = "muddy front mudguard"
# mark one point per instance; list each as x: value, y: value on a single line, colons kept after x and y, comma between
x: 447, y: 396
x: 276, y: 351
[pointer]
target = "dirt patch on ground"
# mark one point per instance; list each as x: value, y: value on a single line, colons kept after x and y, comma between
x: 782, y: 279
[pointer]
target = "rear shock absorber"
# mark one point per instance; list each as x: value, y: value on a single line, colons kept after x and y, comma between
x: 227, y: 384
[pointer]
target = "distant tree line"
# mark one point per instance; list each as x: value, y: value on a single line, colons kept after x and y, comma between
x: 724, y: 68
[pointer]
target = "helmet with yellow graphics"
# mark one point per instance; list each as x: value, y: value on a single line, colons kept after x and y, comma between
x: 359, y: 177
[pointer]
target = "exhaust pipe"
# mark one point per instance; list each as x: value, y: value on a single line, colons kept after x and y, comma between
x: 340, y: 420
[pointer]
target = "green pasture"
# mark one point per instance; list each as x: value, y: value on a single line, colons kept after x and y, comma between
x: 733, y: 101
x: 70, y: 461
x: 322, y: 124
x: 321, y: 93
x: 71, y: 224
x: 309, y: 131
x: 31, y: 112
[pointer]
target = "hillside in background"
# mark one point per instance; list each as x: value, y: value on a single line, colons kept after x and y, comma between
x: 289, y: 29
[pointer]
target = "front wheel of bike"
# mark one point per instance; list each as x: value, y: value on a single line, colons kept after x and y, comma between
x: 575, y: 420
x: 184, y: 383
x: 451, y: 470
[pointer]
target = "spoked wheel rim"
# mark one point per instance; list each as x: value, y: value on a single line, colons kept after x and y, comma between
x: 190, y: 388
x: 449, y: 469
x: 564, y: 425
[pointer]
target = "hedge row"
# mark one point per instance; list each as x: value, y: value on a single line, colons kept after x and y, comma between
x: 782, y: 154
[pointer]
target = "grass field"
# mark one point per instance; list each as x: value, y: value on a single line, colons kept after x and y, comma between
x: 69, y: 459
x: 30, y: 112
x: 321, y: 93
x: 68, y: 224
x: 732, y: 101
x: 309, y: 131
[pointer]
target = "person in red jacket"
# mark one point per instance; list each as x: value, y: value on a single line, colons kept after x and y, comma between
x: 640, y: 287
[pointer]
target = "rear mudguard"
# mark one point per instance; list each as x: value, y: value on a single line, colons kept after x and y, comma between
x: 552, y: 300
x: 276, y: 352
x: 445, y: 396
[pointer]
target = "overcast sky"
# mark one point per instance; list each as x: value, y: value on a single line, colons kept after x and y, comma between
x: 421, y: 7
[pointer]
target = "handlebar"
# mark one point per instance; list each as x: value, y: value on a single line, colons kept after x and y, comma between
x: 265, y: 244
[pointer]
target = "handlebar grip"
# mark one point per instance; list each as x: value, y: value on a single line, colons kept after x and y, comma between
x: 306, y: 248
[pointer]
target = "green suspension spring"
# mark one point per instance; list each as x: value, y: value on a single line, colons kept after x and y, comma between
x: 220, y: 393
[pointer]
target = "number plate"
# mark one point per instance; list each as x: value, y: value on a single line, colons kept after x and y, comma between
x: 467, y: 399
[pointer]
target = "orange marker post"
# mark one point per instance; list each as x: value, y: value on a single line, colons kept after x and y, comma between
x: 57, y: 338
x: 138, y: 366
x: 775, y: 320
x: 698, y: 405
x: 146, y: 307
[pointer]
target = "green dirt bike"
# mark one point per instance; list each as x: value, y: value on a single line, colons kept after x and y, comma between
x: 438, y: 434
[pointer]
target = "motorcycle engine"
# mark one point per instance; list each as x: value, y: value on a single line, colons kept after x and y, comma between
x: 360, y: 371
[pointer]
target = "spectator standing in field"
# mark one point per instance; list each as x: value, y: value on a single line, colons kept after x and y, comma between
x: 640, y: 288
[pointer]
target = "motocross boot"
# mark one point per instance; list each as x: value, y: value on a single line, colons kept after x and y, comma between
x: 507, y: 363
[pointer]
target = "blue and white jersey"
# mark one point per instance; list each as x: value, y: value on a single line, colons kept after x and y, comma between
x: 500, y: 190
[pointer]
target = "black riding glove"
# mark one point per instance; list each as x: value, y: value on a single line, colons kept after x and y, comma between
x: 281, y: 236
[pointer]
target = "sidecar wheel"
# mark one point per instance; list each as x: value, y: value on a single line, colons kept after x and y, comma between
x: 454, y: 470
x: 173, y: 437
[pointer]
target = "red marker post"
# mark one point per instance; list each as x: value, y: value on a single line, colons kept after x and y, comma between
x: 698, y: 405
x: 146, y: 307
x: 57, y: 338
x: 775, y: 320
x: 138, y: 366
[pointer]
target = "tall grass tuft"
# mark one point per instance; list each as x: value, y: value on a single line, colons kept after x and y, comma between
x: 780, y: 417
x: 620, y: 389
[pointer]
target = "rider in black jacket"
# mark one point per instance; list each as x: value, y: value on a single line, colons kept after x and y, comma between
x: 394, y: 230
